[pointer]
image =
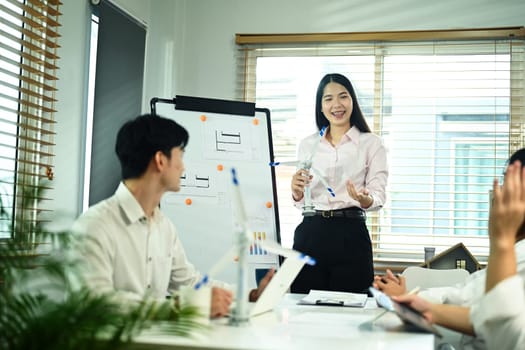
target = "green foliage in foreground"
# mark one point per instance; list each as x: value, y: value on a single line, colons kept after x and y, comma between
x: 44, y: 304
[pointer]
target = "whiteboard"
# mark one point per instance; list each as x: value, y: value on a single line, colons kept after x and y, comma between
x: 203, y: 210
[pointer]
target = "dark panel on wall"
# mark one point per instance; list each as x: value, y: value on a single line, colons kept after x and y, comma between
x: 118, y: 93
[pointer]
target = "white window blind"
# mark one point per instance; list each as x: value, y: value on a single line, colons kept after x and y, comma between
x: 449, y: 111
x: 28, y: 66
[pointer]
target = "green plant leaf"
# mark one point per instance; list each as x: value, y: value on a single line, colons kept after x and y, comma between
x: 44, y: 303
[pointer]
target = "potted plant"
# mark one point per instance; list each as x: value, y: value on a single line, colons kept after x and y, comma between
x: 44, y: 303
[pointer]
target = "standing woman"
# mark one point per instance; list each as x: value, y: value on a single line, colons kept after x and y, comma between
x: 354, y: 163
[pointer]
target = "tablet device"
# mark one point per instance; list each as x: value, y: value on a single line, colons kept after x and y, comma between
x: 404, y: 312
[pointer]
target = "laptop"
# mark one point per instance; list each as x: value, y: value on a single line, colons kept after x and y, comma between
x: 279, y: 284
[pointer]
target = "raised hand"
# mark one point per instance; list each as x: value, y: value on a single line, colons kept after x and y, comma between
x: 507, y: 211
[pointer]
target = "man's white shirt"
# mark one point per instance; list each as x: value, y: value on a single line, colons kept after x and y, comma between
x: 130, y: 253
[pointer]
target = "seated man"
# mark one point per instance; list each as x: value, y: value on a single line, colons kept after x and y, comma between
x: 499, y: 316
x: 132, y: 247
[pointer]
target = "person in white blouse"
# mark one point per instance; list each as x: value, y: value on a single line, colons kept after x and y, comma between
x: 132, y: 248
x: 498, y: 317
x: 466, y: 293
x: 353, y: 161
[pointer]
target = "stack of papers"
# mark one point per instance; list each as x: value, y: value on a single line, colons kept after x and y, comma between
x: 325, y: 297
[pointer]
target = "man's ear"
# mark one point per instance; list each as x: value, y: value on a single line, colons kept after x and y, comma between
x: 159, y: 160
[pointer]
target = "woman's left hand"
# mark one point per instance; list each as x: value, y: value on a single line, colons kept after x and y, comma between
x: 363, y: 197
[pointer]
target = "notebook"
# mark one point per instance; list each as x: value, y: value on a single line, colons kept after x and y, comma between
x: 274, y: 291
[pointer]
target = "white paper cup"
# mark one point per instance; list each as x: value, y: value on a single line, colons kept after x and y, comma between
x: 199, y: 298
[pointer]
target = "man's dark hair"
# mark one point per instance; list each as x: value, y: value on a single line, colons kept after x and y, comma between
x: 139, y: 139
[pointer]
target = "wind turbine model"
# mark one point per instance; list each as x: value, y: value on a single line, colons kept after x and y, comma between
x: 240, y: 314
x: 306, y: 164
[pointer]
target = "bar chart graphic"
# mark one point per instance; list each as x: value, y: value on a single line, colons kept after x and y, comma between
x: 255, y: 248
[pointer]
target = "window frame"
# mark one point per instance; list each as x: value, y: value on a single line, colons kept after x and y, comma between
x: 248, y: 44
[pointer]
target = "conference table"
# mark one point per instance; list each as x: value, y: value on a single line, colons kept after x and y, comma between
x: 301, y: 327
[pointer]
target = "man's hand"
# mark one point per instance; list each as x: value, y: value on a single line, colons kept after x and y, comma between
x: 221, y: 300
x: 390, y: 284
x: 256, y: 293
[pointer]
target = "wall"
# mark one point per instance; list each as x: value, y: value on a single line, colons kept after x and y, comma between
x: 208, y: 50
x: 139, y: 9
x: 191, y: 49
x: 70, y: 106
x: 165, y: 36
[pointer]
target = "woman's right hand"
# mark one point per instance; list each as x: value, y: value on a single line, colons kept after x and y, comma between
x: 300, y: 180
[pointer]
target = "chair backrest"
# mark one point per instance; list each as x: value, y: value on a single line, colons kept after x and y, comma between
x: 427, y: 278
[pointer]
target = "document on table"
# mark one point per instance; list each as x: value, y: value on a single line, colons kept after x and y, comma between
x: 325, y: 297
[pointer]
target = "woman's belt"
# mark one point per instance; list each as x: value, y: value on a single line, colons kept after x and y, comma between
x: 351, y: 213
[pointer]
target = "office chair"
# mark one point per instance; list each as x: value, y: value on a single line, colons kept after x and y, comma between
x: 427, y: 278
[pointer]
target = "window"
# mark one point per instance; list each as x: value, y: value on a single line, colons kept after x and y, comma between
x: 28, y: 56
x: 449, y: 111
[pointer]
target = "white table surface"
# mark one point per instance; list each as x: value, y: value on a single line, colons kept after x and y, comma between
x: 304, y: 327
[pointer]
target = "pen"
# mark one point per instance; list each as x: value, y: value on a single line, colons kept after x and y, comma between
x: 414, y: 291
